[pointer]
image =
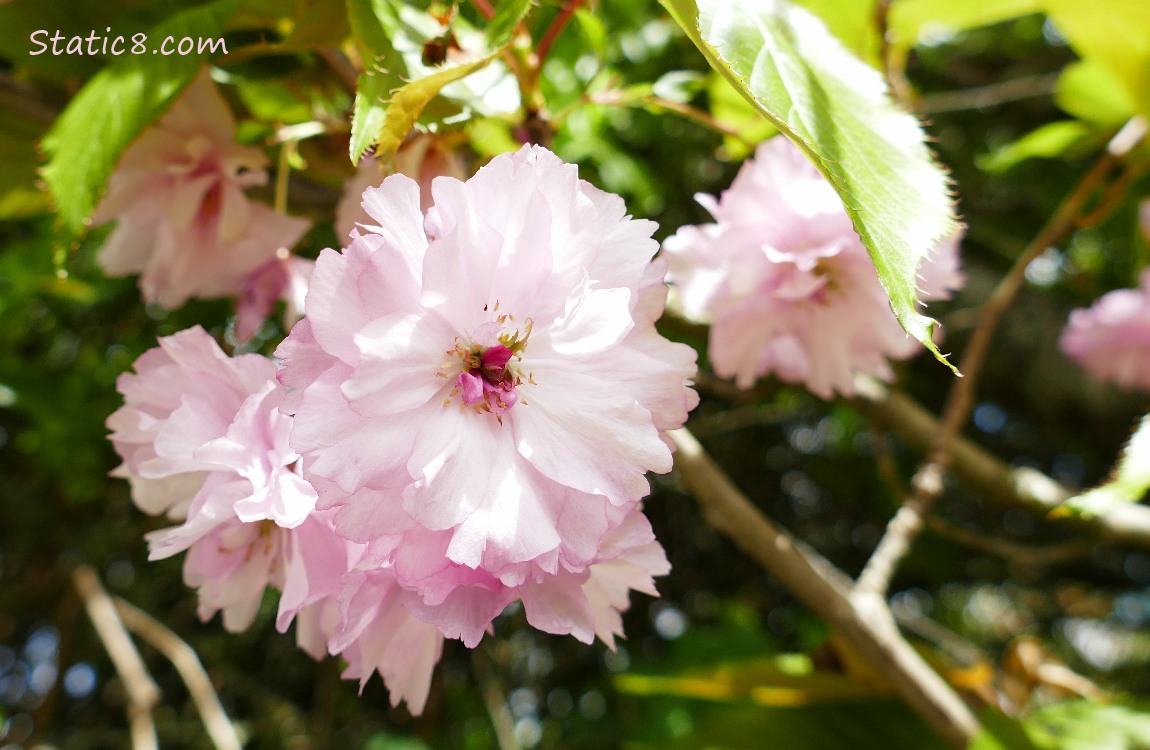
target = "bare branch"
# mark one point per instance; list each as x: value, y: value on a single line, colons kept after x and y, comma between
x: 862, y: 618
x: 143, y: 694
x: 183, y: 658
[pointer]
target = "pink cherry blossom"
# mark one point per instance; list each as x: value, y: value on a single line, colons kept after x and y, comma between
x: 480, y: 392
x: 204, y: 440
x: 1111, y: 338
x: 786, y: 284
x: 422, y: 157
x: 177, y: 194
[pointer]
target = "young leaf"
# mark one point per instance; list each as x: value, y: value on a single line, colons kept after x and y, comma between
x: 836, y: 109
x: 115, y: 106
x: 408, y: 102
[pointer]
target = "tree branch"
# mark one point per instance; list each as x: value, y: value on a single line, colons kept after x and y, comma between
x: 143, y: 694
x: 184, y: 659
x: 863, y: 619
x: 1005, y: 485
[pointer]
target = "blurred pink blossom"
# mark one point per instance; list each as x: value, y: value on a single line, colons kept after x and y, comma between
x: 285, y: 278
x: 1111, y: 338
x: 183, y: 220
x: 786, y: 284
x: 481, y: 391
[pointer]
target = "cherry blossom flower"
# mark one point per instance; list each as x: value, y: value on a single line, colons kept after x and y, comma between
x: 422, y: 157
x: 177, y: 194
x: 1111, y: 338
x: 204, y: 440
x: 480, y: 392
x: 786, y: 284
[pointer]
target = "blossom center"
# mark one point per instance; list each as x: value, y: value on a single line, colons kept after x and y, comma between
x: 491, y: 371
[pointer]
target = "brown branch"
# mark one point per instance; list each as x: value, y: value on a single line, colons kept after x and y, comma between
x: 1024, y: 554
x: 981, y: 470
x: 927, y: 483
x: 184, y: 659
x: 863, y: 619
x: 143, y: 694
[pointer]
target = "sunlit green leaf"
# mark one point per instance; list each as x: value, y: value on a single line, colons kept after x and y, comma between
x: 911, y: 19
x: 1114, y: 34
x: 837, y: 110
x: 1048, y: 141
x: 1090, y: 725
x: 1091, y: 93
x: 114, y: 107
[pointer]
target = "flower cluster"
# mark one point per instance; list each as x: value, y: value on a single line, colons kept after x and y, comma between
x: 1111, y: 338
x: 464, y: 418
x: 786, y: 284
x: 183, y: 221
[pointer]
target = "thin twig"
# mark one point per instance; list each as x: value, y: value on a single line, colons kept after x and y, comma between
x: 927, y: 483
x: 1002, y: 92
x: 184, y: 659
x: 697, y: 115
x: 865, y: 622
x: 1025, y: 554
x: 495, y: 701
x: 553, y: 31
x: 143, y: 694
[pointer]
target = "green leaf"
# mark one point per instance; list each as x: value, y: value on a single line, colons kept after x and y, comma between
x: 1000, y: 732
x: 501, y: 28
x: 837, y: 110
x: 912, y: 19
x: 375, y: 25
x: 1048, y: 141
x: 1130, y: 479
x: 1088, y: 725
x: 369, y: 113
x: 1114, y: 34
x: 1090, y: 92
x: 114, y: 107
